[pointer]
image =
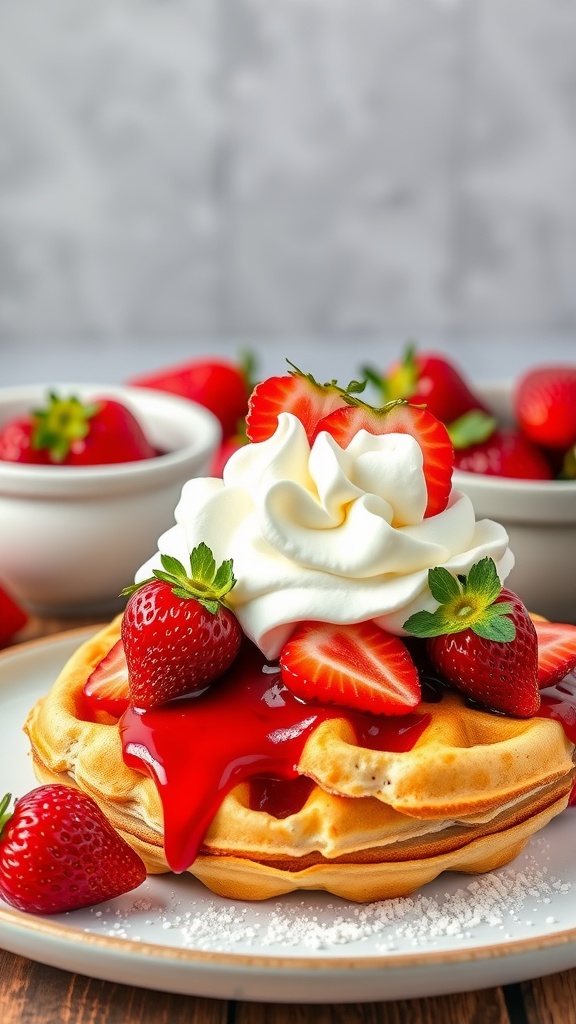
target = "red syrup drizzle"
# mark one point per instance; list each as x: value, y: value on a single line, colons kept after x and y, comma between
x: 245, y: 726
x: 559, y: 702
x: 279, y: 797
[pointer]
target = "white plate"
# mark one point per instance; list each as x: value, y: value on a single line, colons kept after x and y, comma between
x: 457, y: 934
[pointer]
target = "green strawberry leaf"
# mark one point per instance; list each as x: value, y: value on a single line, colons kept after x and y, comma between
x: 402, y: 382
x: 465, y: 602
x: 173, y: 566
x: 483, y: 580
x: 204, y: 583
x: 224, y: 578
x: 60, y: 423
x: 422, y: 624
x: 355, y: 387
x: 472, y: 427
x: 497, y: 627
x: 444, y: 587
x: 202, y: 563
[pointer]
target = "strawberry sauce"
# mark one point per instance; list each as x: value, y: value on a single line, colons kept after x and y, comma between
x: 559, y: 702
x: 246, y: 726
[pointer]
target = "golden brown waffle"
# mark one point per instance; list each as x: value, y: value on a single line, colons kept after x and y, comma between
x: 466, y: 797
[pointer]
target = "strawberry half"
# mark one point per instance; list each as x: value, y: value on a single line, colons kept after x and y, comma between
x: 356, y: 666
x: 556, y: 651
x: 400, y: 418
x: 481, y: 639
x: 177, y: 632
x: 106, y: 689
x: 298, y: 393
x: 58, y: 852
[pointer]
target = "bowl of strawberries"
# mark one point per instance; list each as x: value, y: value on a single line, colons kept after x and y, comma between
x: 538, y: 510
x: 89, y: 475
x: 515, y: 457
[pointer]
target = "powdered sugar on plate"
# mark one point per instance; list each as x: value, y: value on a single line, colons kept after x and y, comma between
x: 527, y: 897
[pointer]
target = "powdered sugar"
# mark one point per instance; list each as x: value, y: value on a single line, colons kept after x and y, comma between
x: 527, y: 897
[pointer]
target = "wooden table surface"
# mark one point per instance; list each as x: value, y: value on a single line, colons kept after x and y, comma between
x: 32, y: 993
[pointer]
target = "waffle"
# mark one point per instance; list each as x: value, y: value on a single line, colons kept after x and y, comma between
x: 375, y: 824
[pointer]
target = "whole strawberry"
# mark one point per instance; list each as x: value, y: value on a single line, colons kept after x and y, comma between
x: 545, y: 406
x: 481, y: 639
x: 58, y: 852
x: 12, y: 616
x: 219, y: 385
x: 430, y: 379
x: 68, y: 432
x: 505, y: 452
x: 177, y: 632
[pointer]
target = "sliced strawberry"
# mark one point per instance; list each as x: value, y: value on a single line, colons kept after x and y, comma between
x: 401, y: 418
x: 556, y: 651
x: 297, y: 393
x: 106, y: 688
x: 356, y: 666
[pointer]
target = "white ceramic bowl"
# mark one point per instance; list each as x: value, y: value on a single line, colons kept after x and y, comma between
x: 72, y: 537
x: 540, y: 517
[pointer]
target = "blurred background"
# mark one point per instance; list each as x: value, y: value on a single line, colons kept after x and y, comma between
x: 317, y: 179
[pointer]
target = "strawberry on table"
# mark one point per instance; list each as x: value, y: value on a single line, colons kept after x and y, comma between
x: 402, y: 418
x: 177, y: 631
x: 556, y: 651
x: 481, y: 639
x: 357, y: 666
x: 12, y: 617
x: 69, y: 432
x: 218, y: 384
x: 298, y: 393
x: 58, y: 852
x: 428, y: 378
x: 545, y: 406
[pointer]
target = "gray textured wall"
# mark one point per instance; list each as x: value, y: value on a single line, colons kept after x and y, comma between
x: 299, y: 176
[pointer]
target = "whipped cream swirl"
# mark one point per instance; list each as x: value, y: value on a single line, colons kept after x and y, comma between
x: 327, y: 533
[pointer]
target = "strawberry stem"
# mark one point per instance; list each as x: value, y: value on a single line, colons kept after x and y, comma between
x: 355, y: 387
x: 465, y: 602
x: 203, y: 582
x: 59, y: 424
x: 402, y: 382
